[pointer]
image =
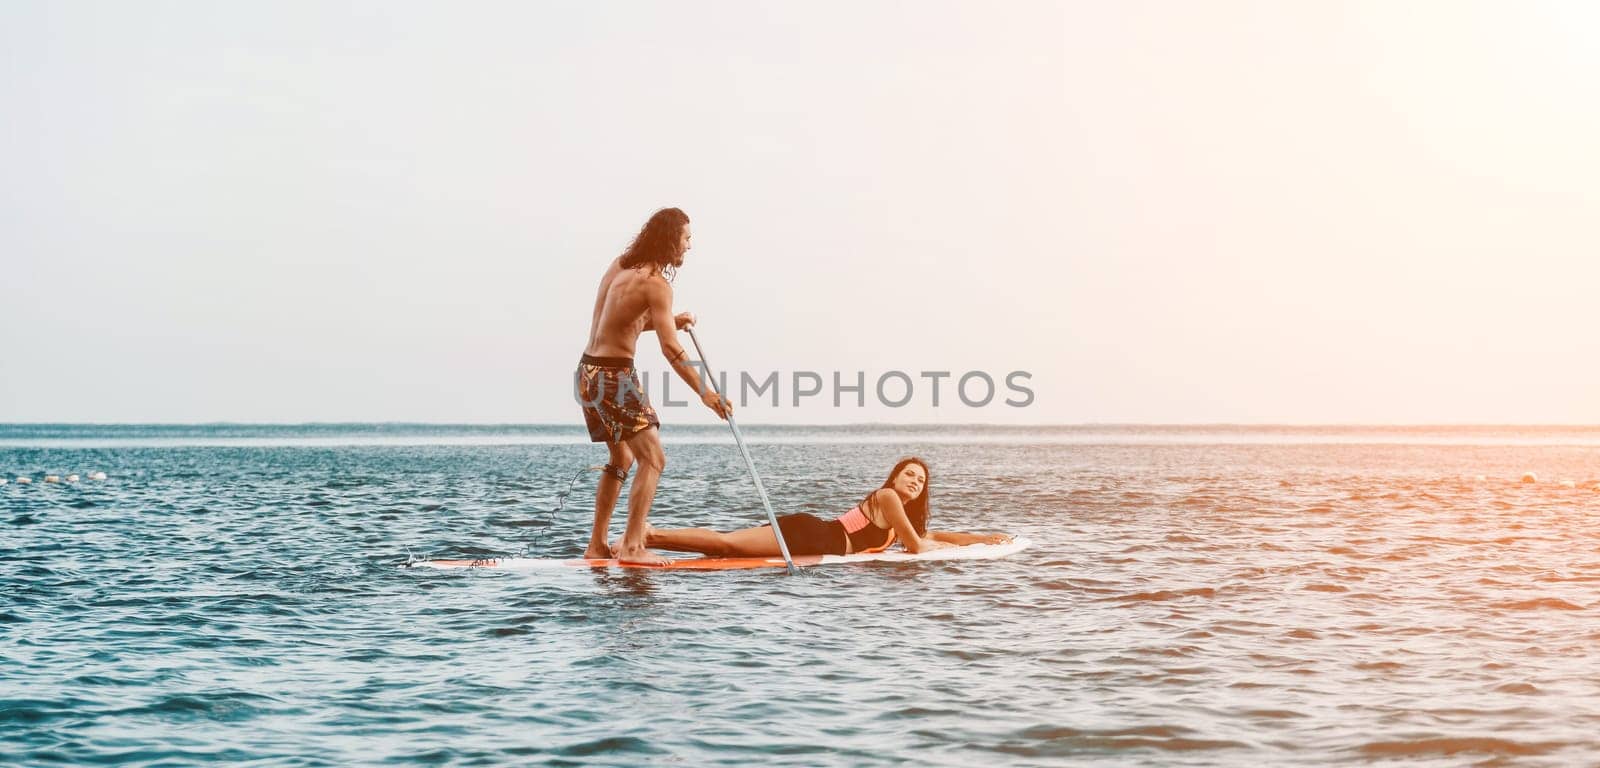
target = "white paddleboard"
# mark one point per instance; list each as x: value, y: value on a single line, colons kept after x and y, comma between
x: 968, y: 552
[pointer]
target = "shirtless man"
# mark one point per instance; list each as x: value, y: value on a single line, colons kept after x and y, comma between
x: 635, y: 296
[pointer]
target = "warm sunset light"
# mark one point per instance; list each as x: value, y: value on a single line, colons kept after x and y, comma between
x: 824, y: 383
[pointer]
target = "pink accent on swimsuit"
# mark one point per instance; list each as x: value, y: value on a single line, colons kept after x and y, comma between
x: 854, y: 520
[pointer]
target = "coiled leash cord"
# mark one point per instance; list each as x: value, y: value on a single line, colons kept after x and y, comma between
x: 548, y: 520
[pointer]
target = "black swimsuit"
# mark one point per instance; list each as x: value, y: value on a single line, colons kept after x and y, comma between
x: 807, y: 534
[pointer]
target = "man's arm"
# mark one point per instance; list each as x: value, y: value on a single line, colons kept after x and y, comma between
x: 658, y: 293
x: 680, y: 321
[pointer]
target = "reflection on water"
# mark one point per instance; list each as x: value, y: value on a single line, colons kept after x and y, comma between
x: 632, y: 587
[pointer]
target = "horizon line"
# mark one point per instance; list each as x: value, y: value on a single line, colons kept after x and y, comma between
x: 1038, y: 425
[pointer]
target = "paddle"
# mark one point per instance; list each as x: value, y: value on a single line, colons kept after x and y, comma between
x: 749, y: 462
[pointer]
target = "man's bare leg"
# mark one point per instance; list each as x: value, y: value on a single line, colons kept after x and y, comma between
x: 651, y: 460
x: 605, y: 500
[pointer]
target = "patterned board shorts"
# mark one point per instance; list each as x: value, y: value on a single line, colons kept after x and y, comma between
x: 615, y: 407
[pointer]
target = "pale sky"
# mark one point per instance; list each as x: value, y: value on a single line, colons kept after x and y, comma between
x: 1177, y: 212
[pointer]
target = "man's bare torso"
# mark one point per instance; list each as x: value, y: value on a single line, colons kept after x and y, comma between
x: 620, y: 311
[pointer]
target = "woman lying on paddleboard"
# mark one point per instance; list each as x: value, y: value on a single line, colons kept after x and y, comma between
x: 897, y: 512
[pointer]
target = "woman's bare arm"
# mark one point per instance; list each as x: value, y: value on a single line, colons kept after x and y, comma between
x: 962, y: 539
x: 888, y: 502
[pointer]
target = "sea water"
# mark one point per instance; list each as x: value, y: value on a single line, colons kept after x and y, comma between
x: 1194, y: 596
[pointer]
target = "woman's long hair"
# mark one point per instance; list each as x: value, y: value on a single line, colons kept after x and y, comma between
x: 917, y: 508
x: 657, y: 241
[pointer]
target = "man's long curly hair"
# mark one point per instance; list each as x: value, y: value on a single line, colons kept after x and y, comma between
x: 657, y: 242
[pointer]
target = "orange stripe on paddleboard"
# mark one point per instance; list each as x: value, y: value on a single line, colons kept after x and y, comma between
x: 686, y: 564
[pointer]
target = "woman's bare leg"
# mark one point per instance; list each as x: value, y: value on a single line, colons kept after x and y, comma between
x: 750, y: 542
x: 703, y: 540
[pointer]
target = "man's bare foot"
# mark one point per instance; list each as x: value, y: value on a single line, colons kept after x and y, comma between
x: 638, y: 555
x: 598, y: 552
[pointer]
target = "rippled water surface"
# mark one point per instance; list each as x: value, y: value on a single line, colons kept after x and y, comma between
x: 1221, y: 597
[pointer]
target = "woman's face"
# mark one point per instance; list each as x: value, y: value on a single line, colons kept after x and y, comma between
x: 910, y: 481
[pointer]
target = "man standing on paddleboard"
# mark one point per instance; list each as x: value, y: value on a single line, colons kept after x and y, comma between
x: 635, y: 296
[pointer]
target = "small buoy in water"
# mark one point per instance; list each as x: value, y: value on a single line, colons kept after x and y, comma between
x: 24, y: 480
x: 72, y: 478
x: 3, y: 481
x: 52, y: 478
x: 97, y: 475
x: 1569, y: 484
x: 1529, y: 477
x: 1480, y: 478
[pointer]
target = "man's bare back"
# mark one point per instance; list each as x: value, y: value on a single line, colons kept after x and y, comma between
x: 621, y: 310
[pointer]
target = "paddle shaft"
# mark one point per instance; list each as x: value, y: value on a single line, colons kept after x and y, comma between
x: 705, y: 364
